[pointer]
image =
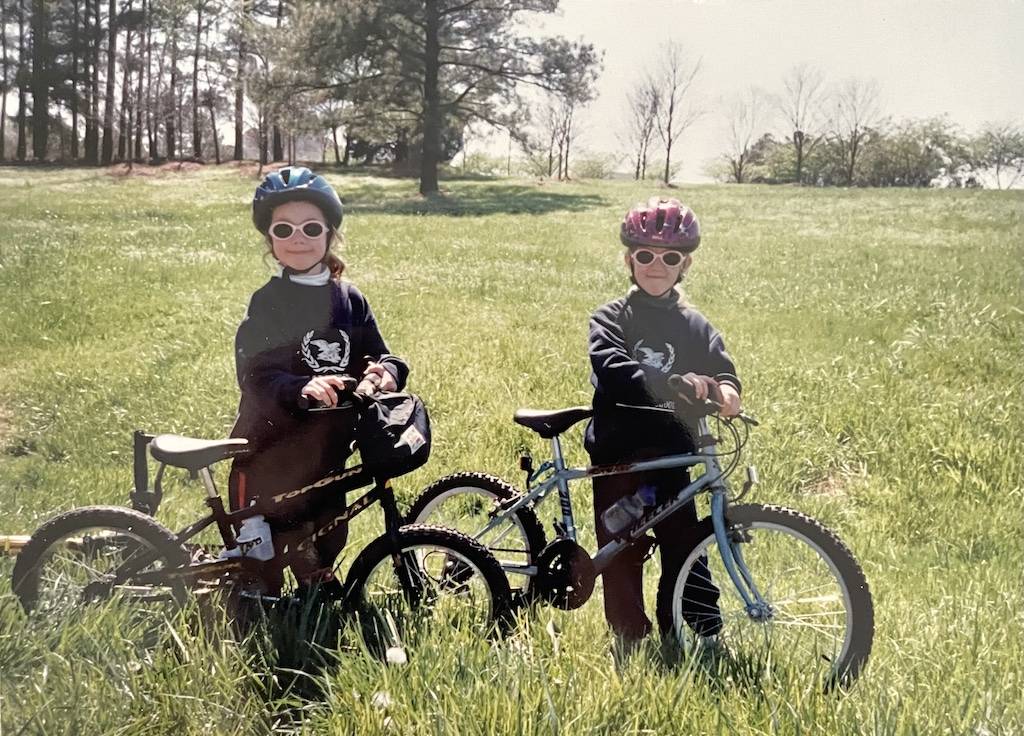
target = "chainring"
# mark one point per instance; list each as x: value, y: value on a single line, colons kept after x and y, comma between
x: 565, y: 574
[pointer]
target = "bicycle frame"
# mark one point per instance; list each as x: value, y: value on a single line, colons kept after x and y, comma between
x: 711, y: 479
x: 339, y: 483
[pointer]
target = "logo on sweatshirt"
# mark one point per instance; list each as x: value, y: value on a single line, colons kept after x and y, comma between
x: 654, y: 358
x: 330, y: 357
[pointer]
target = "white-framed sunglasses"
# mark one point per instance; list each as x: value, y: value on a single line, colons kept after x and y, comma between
x: 644, y: 257
x: 282, y: 230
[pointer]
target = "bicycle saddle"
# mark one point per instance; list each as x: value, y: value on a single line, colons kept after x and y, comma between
x: 551, y: 423
x: 193, y: 454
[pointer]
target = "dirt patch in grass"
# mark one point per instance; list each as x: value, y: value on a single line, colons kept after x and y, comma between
x: 146, y: 170
x: 838, y: 481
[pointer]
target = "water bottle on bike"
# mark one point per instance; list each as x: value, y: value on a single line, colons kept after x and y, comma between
x: 625, y: 512
x: 253, y: 540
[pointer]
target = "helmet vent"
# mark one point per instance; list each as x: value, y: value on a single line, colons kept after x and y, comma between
x: 659, y: 221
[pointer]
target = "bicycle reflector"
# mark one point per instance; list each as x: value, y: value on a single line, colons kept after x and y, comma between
x: 752, y: 479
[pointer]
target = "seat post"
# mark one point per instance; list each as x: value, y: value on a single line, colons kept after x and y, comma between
x: 207, y: 478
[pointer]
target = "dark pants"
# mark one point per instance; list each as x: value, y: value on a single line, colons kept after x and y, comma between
x: 293, y: 522
x: 623, y: 579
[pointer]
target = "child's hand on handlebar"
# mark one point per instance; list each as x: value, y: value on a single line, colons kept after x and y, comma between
x: 730, y: 400
x: 376, y: 378
x: 697, y: 386
x: 325, y: 389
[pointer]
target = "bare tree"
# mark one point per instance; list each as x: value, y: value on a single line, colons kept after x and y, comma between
x: 676, y: 112
x: 641, y: 120
x: 745, y: 117
x: 1000, y: 147
x: 857, y: 115
x: 801, y: 105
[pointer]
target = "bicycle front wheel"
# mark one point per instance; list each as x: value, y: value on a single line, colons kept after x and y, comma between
x: 433, y: 581
x: 815, y: 615
x: 95, y: 554
x: 469, y: 502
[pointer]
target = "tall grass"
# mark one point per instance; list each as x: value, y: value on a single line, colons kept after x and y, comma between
x: 879, y: 335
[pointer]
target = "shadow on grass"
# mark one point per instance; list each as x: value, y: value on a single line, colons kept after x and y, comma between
x: 469, y: 200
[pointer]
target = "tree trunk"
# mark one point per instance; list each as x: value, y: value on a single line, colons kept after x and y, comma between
x: 852, y: 160
x: 239, y: 153
x: 334, y: 137
x: 277, y: 141
x: 349, y: 141
x: 108, y: 103
x: 431, y: 99
x: 3, y: 95
x: 172, y: 97
x: 153, y: 152
x: 668, y: 135
x: 798, y: 144
x: 22, y: 90
x: 125, y: 114
x: 263, y: 137
x: 40, y: 86
x: 568, y: 143
x: 92, y: 125
x: 76, y: 20
x: 137, y: 153
x: 197, y: 142
x: 216, y: 138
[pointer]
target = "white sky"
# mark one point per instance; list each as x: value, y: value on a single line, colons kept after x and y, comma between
x: 960, y: 57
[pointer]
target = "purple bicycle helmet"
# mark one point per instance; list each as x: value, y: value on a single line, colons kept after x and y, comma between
x: 662, y: 223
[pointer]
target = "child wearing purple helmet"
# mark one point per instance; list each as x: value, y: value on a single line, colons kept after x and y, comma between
x: 636, y: 343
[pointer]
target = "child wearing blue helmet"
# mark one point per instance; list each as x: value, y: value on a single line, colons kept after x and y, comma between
x: 302, y: 332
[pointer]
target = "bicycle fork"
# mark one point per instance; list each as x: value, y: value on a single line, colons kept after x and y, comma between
x: 756, y: 606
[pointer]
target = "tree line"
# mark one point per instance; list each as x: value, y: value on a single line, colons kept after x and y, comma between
x: 402, y: 81
x: 106, y: 81
x: 839, y: 135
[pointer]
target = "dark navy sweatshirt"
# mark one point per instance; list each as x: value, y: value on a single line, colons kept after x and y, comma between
x: 636, y: 343
x: 291, y: 332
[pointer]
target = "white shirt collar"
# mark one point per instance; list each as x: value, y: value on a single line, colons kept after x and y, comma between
x: 317, y: 279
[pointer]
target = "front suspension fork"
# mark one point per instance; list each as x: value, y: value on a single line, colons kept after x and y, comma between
x: 732, y: 557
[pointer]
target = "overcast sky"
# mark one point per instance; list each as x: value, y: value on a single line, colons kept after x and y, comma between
x: 964, y: 58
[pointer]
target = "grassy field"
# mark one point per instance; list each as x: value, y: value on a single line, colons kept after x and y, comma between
x: 880, y: 336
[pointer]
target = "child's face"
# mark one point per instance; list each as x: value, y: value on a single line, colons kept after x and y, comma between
x: 656, y: 277
x: 299, y: 252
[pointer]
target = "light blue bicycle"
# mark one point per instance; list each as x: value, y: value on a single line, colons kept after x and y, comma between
x: 789, y: 591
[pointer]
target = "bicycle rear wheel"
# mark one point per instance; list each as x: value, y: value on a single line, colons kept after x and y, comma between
x: 94, y: 554
x: 819, y: 616
x: 431, y: 582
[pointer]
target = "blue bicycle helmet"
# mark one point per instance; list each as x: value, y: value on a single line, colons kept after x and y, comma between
x: 294, y: 184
